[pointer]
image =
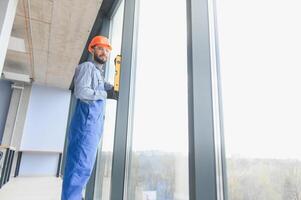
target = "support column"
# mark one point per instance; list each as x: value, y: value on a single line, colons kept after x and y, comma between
x: 7, y: 15
x: 16, y: 116
x: 206, y: 149
x: 124, y: 114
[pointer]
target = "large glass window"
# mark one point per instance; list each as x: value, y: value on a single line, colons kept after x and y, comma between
x: 158, y: 164
x: 260, y: 69
x: 103, y: 176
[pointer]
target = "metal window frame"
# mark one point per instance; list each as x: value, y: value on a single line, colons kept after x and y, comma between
x: 220, y: 140
x: 207, y: 169
x: 124, y: 114
x: 207, y: 178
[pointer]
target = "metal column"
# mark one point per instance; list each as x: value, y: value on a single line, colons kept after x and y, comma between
x: 125, y: 102
x: 7, y: 15
x: 205, y: 124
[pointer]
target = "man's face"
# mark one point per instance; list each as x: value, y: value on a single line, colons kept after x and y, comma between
x: 100, y: 54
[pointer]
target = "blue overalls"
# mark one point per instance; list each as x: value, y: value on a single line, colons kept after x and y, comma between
x: 85, y: 132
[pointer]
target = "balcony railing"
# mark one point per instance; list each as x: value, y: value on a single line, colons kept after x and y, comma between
x: 6, y: 161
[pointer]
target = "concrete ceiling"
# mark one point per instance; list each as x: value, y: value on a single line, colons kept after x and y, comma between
x: 55, y: 33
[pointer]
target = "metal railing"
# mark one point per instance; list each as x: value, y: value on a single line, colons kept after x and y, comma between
x: 6, y: 161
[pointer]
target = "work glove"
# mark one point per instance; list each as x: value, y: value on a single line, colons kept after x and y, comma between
x: 112, y: 94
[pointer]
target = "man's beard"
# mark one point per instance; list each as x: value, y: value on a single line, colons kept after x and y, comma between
x: 99, y: 60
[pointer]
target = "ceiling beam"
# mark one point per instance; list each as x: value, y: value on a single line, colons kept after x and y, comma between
x: 16, y: 77
x: 7, y: 14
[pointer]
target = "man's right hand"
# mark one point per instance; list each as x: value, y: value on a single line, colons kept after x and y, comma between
x: 112, y: 94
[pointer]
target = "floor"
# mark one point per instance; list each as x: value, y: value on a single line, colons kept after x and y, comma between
x: 32, y: 188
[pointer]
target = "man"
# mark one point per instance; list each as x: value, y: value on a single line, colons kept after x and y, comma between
x: 86, y: 126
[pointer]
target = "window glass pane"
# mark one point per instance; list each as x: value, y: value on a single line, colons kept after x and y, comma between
x: 158, y: 168
x: 103, y: 176
x: 260, y: 69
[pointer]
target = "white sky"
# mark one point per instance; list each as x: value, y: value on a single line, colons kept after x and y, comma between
x: 160, y: 116
x: 260, y: 67
x: 259, y: 49
x: 160, y: 110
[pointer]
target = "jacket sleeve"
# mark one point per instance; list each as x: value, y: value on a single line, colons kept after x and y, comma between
x: 83, y: 84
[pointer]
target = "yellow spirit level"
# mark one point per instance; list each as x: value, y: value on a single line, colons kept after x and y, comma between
x: 117, y: 62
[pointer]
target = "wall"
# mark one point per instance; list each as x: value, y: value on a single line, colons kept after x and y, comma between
x: 44, y: 130
x: 5, y: 95
x: 46, y: 120
x: 38, y: 164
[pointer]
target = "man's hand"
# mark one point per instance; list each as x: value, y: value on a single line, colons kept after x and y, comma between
x: 112, y: 94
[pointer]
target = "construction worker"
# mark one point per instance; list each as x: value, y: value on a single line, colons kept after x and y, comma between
x: 86, y: 126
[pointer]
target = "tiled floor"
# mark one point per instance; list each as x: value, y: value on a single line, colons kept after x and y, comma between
x: 32, y: 188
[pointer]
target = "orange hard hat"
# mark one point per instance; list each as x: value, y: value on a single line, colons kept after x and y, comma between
x: 99, y: 41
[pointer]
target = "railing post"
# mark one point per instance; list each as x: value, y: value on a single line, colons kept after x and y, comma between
x: 4, y: 168
x: 59, y: 165
x: 10, y: 163
x: 18, y: 164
